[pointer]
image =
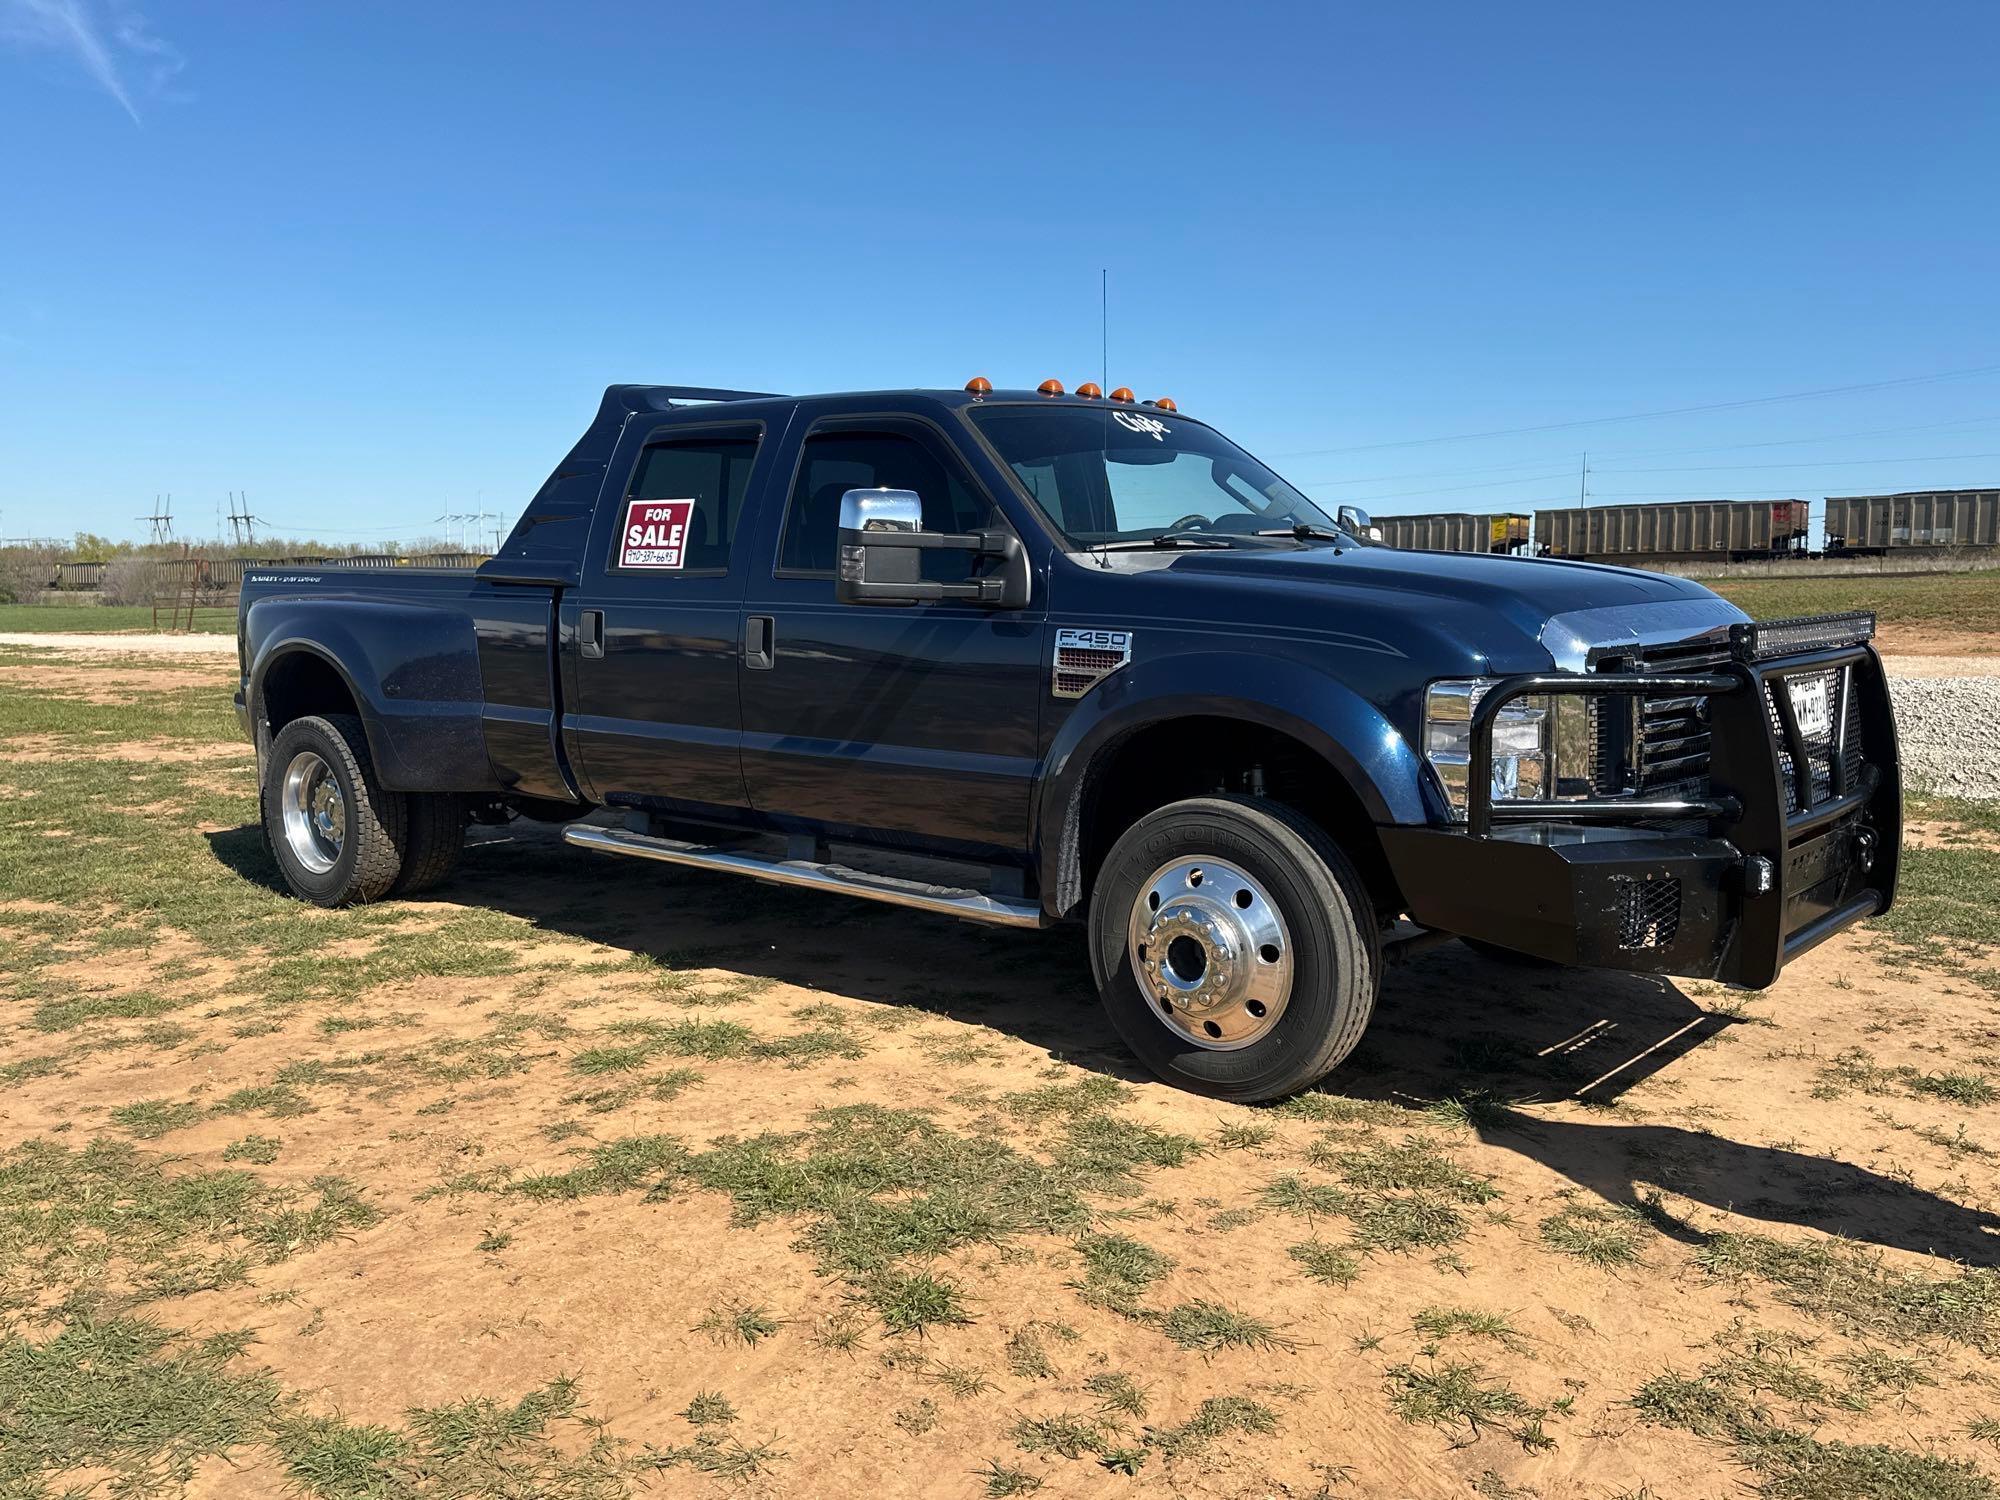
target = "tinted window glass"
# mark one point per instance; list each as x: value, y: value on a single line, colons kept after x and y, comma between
x: 1120, y: 473
x: 835, y: 462
x: 712, y: 473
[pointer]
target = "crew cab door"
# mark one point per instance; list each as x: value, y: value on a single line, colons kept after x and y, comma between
x: 652, y: 634
x: 915, y: 720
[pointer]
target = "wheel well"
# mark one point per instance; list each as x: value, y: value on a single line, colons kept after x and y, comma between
x: 301, y: 683
x: 1197, y: 757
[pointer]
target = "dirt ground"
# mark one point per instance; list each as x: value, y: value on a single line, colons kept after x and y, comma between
x: 810, y: 1197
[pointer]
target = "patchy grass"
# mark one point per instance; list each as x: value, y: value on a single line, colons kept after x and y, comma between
x: 1856, y: 1068
x: 1454, y: 1394
x: 1600, y: 1233
x: 738, y: 1323
x: 1205, y: 1327
x: 1853, y: 1287
x: 1760, y: 1402
x: 128, y: 1397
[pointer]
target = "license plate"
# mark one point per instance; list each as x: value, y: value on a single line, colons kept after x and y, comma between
x: 1810, y: 706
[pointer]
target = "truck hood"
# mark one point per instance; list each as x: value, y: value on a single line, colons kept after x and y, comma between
x: 1567, y: 608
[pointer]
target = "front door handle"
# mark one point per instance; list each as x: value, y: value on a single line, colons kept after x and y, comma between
x: 760, y: 642
x: 590, y: 632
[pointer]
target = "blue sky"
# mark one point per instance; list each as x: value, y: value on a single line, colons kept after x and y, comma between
x: 370, y: 263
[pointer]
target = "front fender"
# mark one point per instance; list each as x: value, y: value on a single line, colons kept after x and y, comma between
x: 413, y: 673
x: 1349, y: 733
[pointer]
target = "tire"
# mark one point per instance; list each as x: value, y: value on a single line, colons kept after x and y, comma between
x: 319, y: 776
x: 1494, y: 953
x: 1315, y: 969
x: 436, y: 840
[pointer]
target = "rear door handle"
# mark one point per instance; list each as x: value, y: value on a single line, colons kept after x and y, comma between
x: 590, y: 632
x: 760, y: 642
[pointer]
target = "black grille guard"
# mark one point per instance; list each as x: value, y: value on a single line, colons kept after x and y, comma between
x: 1773, y: 820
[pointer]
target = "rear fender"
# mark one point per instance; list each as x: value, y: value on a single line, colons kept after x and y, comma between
x: 413, y: 674
x: 1349, y: 733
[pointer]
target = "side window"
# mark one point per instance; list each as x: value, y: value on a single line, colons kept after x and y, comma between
x: 833, y: 463
x: 681, y: 512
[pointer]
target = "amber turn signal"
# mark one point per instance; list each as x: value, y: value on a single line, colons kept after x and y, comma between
x: 1123, y: 393
x: 1050, y: 388
x: 1090, y: 390
x: 979, y: 385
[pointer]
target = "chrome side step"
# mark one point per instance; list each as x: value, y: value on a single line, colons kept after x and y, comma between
x: 974, y: 906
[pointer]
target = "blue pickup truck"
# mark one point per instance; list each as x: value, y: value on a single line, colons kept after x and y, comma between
x: 1033, y: 657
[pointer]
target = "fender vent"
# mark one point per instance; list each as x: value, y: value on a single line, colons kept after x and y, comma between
x: 1649, y: 911
x: 1085, y: 658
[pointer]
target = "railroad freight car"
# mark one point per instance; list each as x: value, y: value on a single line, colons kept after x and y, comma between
x: 1916, y: 523
x: 80, y: 575
x: 1679, y: 531
x: 1456, y: 531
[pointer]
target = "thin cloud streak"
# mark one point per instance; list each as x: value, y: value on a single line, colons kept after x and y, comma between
x: 69, y: 27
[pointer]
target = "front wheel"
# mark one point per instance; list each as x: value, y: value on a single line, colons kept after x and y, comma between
x: 1231, y: 946
x: 337, y: 835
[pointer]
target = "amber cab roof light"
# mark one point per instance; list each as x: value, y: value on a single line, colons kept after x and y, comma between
x: 979, y: 385
x: 1165, y: 403
x: 1090, y: 390
x: 1123, y: 393
x: 1050, y: 388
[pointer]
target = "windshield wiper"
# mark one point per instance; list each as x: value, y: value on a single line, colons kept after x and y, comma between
x: 1306, y: 531
x: 1165, y: 539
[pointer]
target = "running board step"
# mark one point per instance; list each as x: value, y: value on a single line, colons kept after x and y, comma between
x: 974, y: 906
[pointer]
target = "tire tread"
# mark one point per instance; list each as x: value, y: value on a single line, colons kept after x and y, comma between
x: 381, y: 817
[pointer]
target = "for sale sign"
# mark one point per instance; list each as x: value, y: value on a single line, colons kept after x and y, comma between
x: 656, y: 533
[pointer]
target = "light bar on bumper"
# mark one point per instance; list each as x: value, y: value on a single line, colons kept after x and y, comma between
x: 1768, y: 639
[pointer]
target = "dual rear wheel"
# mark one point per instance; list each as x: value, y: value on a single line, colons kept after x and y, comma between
x: 339, y: 837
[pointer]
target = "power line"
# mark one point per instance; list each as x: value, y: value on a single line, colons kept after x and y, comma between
x: 1670, y: 411
x: 1544, y: 462
x: 1821, y: 463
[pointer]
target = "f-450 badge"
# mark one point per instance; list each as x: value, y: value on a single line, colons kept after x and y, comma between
x: 1085, y: 658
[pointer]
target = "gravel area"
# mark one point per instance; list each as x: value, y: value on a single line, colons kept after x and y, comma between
x: 1946, y: 726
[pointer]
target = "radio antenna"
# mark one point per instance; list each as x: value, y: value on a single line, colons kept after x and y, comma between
x: 1104, y: 326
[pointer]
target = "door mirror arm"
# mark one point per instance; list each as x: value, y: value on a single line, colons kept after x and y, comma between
x: 882, y: 542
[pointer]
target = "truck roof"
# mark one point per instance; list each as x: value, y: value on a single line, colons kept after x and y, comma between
x: 548, y: 533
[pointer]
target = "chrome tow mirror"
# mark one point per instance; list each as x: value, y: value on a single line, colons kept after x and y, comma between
x: 881, y: 558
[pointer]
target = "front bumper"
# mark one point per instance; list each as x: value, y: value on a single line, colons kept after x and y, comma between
x: 1796, y: 842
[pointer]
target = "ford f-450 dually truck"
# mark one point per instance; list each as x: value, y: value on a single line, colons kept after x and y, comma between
x: 1080, y: 658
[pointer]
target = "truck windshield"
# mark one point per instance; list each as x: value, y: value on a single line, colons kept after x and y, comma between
x: 1122, y: 474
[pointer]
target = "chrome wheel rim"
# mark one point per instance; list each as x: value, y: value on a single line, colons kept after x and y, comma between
x: 1212, y: 953
x: 315, y: 812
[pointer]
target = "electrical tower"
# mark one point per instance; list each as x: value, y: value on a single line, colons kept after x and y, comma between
x: 162, y: 521
x: 242, y: 525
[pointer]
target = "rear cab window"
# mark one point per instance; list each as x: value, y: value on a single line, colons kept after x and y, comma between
x: 680, y: 514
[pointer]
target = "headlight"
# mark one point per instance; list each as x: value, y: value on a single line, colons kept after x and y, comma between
x: 1521, y: 738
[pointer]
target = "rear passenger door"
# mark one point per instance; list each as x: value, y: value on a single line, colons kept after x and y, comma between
x: 653, y: 718
x: 914, y: 720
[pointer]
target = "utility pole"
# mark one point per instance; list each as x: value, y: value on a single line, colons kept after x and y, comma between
x: 1583, y: 482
